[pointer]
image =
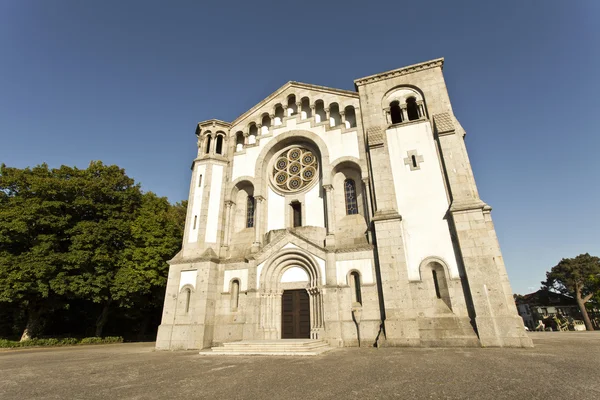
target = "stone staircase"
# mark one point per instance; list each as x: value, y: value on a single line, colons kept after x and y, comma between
x: 283, y: 347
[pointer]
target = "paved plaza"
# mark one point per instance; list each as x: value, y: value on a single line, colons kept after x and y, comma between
x: 562, y: 365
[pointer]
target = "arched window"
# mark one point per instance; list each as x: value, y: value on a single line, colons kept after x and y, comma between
x: 350, y: 117
x: 305, y: 111
x: 279, y: 114
x: 436, y: 284
x: 188, y: 294
x: 219, y: 147
x: 335, y: 117
x: 395, y: 112
x: 250, y: 212
x: 412, y: 109
x: 239, y: 141
x: 266, y: 124
x: 350, y: 194
x: 320, y: 115
x: 253, y: 133
x: 235, y: 294
x: 292, y: 107
x: 208, y: 139
x: 355, y: 284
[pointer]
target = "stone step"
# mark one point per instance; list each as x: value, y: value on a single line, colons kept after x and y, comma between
x: 271, y: 347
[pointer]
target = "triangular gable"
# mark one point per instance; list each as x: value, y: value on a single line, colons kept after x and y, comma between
x: 291, y: 86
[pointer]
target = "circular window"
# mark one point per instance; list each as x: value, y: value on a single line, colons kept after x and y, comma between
x: 294, y: 169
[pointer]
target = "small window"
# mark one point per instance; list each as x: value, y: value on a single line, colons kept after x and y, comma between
x: 350, y: 193
x: 297, y: 213
x: 235, y: 294
x: 355, y: 282
x: 195, y: 220
x: 188, y: 294
x: 200, y: 181
x: 414, y: 161
x: 436, y: 283
x: 250, y: 212
x: 219, y: 149
x: 395, y: 112
x: 208, y: 138
x: 412, y: 109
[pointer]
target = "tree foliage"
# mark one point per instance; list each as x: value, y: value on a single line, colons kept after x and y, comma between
x: 69, y: 234
x: 577, y: 277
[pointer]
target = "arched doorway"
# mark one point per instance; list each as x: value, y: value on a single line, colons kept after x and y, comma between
x: 291, y: 304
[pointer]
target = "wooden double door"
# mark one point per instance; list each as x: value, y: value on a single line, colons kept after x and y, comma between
x: 295, y: 314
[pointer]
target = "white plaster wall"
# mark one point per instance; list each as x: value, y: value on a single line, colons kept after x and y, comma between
x: 421, y: 197
x: 196, y: 203
x: 365, y: 268
x: 314, y: 207
x: 214, y: 203
x: 188, y: 278
x: 275, y: 210
x: 341, y: 144
x: 241, y: 274
x: 244, y: 164
x: 294, y: 274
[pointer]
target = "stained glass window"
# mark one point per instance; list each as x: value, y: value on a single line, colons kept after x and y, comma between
x: 295, y: 169
x: 250, y: 212
x: 350, y: 193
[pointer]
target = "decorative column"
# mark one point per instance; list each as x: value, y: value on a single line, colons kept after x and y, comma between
x: 246, y: 134
x: 387, y: 115
x: 404, y: 113
x: 299, y: 108
x: 330, y: 238
x: 272, y: 116
x: 258, y: 200
x: 328, y: 116
x: 313, y: 111
x: 343, y: 115
x: 258, y: 130
x: 228, y: 205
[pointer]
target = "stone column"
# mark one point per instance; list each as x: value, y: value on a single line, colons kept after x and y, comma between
x: 272, y: 116
x: 367, y: 195
x: 404, y: 113
x: 328, y: 116
x: 258, y: 130
x: 228, y: 205
x: 258, y: 200
x: 299, y: 108
x: 343, y: 114
x: 246, y: 134
x: 313, y: 110
x: 330, y: 239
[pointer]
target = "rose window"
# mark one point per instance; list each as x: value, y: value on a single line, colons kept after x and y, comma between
x: 295, y: 169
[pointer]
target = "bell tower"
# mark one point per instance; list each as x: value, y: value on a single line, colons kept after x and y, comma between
x: 205, y: 204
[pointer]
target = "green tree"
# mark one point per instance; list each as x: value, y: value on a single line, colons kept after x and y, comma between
x: 33, y: 222
x: 156, y: 235
x: 104, y: 209
x: 576, y: 277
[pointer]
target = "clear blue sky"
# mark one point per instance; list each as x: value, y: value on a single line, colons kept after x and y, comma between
x: 125, y: 82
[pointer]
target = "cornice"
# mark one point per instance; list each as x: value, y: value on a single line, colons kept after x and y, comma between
x: 438, y: 62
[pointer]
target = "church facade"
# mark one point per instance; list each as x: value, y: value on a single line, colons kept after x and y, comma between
x: 346, y: 216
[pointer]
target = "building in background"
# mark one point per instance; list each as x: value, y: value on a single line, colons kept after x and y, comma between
x: 323, y: 213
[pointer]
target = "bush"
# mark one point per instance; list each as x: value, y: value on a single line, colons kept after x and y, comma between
x: 7, y: 344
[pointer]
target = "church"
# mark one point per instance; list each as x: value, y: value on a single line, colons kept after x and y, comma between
x: 349, y: 217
